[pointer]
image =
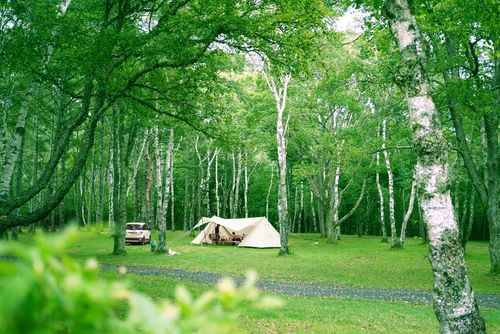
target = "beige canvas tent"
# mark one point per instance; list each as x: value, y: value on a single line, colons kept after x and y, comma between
x: 257, y: 232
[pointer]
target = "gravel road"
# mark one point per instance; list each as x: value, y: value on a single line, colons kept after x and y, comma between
x: 308, y: 290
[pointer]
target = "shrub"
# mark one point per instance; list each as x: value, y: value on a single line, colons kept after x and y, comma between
x: 42, y: 290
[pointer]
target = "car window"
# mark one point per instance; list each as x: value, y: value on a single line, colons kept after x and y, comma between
x: 145, y: 227
x: 133, y: 227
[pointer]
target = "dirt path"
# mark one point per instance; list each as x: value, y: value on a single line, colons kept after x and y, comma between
x: 308, y: 290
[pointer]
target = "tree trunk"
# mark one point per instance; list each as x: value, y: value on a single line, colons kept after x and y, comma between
x: 313, y: 213
x: 381, y: 201
x: 111, y: 179
x: 160, y: 213
x: 119, y: 232
x: 233, y: 187
x: 269, y: 191
x: 237, y: 186
x: 392, y: 217
x: 186, y: 192
x: 295, y: 209
x: 148, y: 206
x: 491, y: 120
x: 162, y: 236
x: 454, y: 302
x: 217, y: 198
x: 245, y: 190
x: 172, y: 192
x: 407, y: 215
x: 280, y: 95
x: 301, y: 209
x: 100, y: 184
x: 15, y: 145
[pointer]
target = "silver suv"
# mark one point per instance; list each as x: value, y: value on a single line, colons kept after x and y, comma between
x: 137, y: 232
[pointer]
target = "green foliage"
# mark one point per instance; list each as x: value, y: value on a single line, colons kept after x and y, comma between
x: 45, y: 291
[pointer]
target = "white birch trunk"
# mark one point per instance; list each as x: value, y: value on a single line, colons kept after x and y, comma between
x: 295, y: 205
x: 162, y: 236
x: 454, y: 302
x: 269, y: 191
x: 3, y: 140
x: 160, y: 212
x: 409, y: 211
x: 206, y: 182
x: 245, y: 191
x: 301, y: 209
x: 15, y: 146
x: 381, y: 201
x: 280, y: 96
x: 392, y: 217
x: 237, y: 186
x: 313, y: 212
x: 335, y: 200
x: 217, y: 198
x: 138, y: 161
x: 233, y: 187
x: 111, y: 210
x: 172, y: 194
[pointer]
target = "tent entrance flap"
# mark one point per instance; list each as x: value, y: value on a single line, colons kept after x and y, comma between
x: 257, y: 232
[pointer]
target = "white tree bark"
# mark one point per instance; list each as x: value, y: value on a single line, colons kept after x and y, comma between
x: 237, y: 186
x: 233, y: 187
x: 245, y: 191
x: 269, y: 191
x: 111, y: 210
x: 381, y: 201
x: 162, y: 236
x: 280, y: 96
x: 301, y: 209
x: 160, y: 212
x: 454, y: 302
x: 15, y: 146
x: 172, y: 193
x: 407, y: 215
x: 3, y: 140
x: 313, y: 212
x: 390, y: 177
x: 217, y: 198
x: 206, y: 182
x: 138, y: 161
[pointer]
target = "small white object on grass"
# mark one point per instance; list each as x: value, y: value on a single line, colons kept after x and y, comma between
x: 172, y: 252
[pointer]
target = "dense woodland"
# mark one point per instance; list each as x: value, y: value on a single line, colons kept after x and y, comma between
x: 168, y: 111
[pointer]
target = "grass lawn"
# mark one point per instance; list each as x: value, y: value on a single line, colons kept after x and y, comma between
x: 363, y: 262
x: 319, y: 315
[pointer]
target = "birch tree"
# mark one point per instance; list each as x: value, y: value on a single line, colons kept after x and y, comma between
x: 409, y: 211
x: 381, y: 201
x: 390, y: 178
x: 269, y: 190
x: 454, y: 302
x: 279, y: 91
x: 162, y: 236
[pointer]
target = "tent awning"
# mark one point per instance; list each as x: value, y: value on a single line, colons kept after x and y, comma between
x: 232, y: 224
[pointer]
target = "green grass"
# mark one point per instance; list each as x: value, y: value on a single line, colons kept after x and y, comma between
x: 363, y: 262
x: 319, y: 315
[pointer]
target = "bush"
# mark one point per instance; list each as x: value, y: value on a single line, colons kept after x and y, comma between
x: 42, y: 290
